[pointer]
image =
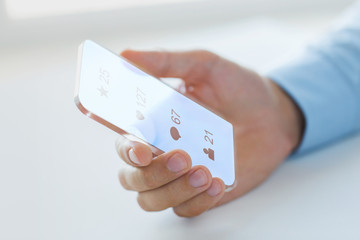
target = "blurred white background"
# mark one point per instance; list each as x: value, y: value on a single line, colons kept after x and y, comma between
x: 58, y: 169
x: 25, y: 21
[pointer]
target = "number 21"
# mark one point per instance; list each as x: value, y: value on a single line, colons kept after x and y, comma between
x: 207, y: 138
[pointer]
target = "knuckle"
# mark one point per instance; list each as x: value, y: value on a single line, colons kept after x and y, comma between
x: 207, y: 54
x: 123, y: 181
x: 149, y: 204
x: 180, y: 213
x: 196, y: 212
x: 143, y: 204
x: 189, y: 213
x: 146, y: 178
x: 208, y: 59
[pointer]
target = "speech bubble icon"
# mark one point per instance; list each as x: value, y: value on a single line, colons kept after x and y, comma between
x: 175, y: 133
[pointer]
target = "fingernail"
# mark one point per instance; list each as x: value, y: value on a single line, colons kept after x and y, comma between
x: 198, y: 178
x: 214, y: 189
x: 133, y: 157
x: 176, y: 163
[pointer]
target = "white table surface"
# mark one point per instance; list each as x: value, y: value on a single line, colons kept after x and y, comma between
x: 58, y: 169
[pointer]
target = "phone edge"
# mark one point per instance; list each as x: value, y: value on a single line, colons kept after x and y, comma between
x: 98, y: 119
x: 156, y: 151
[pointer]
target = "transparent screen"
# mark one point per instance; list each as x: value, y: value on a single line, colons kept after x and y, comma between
x: 142, y: 105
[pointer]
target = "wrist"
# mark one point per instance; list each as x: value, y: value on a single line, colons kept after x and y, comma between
x: 290, y: 116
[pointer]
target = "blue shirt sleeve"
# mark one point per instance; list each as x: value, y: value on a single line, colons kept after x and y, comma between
x: 325, y: 83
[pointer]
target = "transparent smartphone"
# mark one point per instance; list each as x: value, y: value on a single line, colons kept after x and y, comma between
x: 124, y: 98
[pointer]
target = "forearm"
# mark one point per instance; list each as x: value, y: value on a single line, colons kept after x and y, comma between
x: 325, y: 84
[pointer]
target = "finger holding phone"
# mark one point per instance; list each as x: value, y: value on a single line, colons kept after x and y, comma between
x: 267, y: 128
x: 224, y: 135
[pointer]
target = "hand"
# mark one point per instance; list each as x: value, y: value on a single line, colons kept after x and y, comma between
x: 267, y: 128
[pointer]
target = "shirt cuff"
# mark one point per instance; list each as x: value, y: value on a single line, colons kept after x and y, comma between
x: 325, y: 99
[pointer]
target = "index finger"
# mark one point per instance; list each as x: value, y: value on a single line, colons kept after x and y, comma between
x: 189, y: 66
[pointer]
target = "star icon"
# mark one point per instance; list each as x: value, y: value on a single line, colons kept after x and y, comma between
x: 103, y: 92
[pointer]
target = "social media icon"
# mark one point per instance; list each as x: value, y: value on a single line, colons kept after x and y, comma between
x: 174, y: 132
x: 103, y: 92
x: 210, y: 153
x: 139, y: 115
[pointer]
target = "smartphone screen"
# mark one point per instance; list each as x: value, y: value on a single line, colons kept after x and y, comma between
x: 128, y: 100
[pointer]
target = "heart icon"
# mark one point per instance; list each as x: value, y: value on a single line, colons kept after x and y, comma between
x: 139, y: 115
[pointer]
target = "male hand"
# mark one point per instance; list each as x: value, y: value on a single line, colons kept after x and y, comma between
x: 267, y: 128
